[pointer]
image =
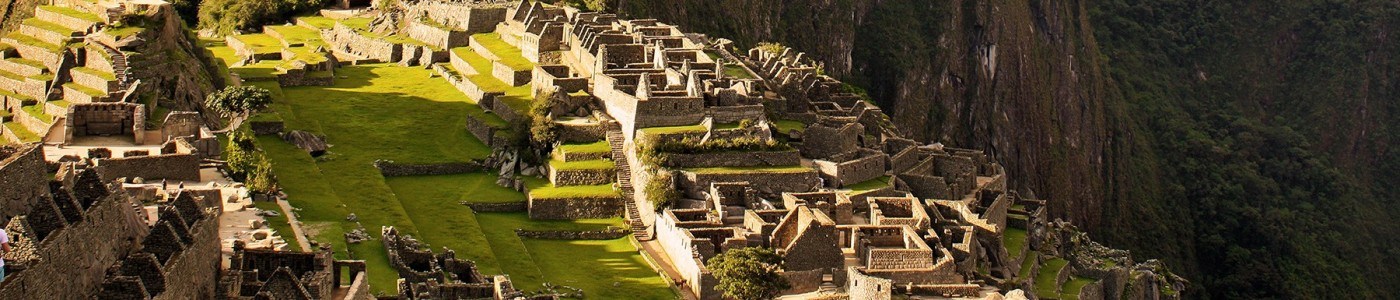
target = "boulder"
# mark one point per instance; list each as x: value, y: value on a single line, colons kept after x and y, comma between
x: 313, y: 144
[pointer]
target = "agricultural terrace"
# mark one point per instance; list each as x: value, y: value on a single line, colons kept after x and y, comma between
x: 408, y: 115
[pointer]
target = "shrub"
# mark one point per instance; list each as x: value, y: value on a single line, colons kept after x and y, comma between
x: 543, y: 131
x: 227, y: 16
x: 661, y: 191
x: 238, y: 99
x: 748, y: 273
x: 261, y: 180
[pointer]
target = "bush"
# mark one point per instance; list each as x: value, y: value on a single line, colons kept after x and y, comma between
x: 227, y: 16
x: 748, y: 273
x: 543, y: 131
x: 661, y: 191
x: 238, y: 99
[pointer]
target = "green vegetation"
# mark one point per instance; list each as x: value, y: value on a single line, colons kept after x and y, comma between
x: 749, y: 273
x: 31, y: 41
x: 41, y: 24
x: 280, y: 223
x: 739, y: 144
x: 97, y: 73
x: 737, y: 71
x: 596, y: 147
x: 72, y: 13
x: 672, y: 129
x: 578, y: 191
x: 293, y: 34
x: 597, y: 164
x: 870, y: 185
x: 1014, y: 239
x: 1266, y: 151
x: 27, y: 62
x: 261, y: 43
x: 509, y: 55
x: 227, y: 16
x: 1026, y: 265
x: 750, y: 170
x: 37, y: 111
x: 1070, y: 290
x: 121, y: 32
x: 236, y: 100
x: 661, y: 190
x: 318, y: 21
x: 22, y: 133
x: 1045, y: 285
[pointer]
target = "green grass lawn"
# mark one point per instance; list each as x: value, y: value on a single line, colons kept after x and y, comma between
x: 1045, y: 286
x: 72, y: 13
x: 672, y: 129
x: 280, y: 223
x: 1015, y: 241
x: 737, y: 71
x: 384, y: 111
x: 750, y: 170
x: 596, y: 164
x: 510, y: 55
x: 517, y: 97
x: 22, y: 133
x: 578, y: 191
x: 869, y: 185
x: 595, y: 147
x: 1026, y: 266
x: 41, y: 24
x: 785, y: 126
x: 97, y: 73
x: 1071, y: 288
x: 318, y: 21
x: 298, y: 35
x: 261, y: 43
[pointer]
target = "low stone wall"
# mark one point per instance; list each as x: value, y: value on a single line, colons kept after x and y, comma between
x: 576, y: 208
x: 433, y: 35
x: 49, y: 58
x: 579, y: 156
x: 506, y: 112
x: 517, y: 206
x: 28, y: 86
x: 391, y: 169
x: 77, y: 97
x: 968, y: 290
x: 509, y: 76
x: 581, y: 177
x: 267, y: 127
x: 166, y: 166
x: 768, y: 184
x: 733, y: 159
x: 467, y: 86
x: 581, y: 133
x: 481, y: 130
x: 344, y: 39
x: 20, y: 69
x: 606, y: 234
x: 63, y: 19
x: 840, y: 174
x: 93, y: 81
x: 803, y: 281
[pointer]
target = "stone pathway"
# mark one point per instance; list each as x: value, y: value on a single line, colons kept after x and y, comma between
x: 652, y: 249
x: 296, y: 225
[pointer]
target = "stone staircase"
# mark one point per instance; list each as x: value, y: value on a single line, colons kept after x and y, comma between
x: 119, y: 67
x: 624, y: 180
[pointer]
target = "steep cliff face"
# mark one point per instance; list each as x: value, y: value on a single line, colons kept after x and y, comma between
x: 1020, y: 80
x: 1247, y: 144
x: 173, y: 69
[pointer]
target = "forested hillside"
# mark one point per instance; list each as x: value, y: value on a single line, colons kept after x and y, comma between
x: 1249, y: 145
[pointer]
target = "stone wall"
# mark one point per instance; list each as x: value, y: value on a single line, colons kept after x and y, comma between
x: 175, y: 166
x: 73, y: 261
x: 22, y: 174
x: 768, y: 184
x: 840, y: 174
x: 508, y: 75
x: 483, y: 97
x: 267, y: 127
x: 516, y: 206
x: 344, y: 39
x: 433, y: 35
x: 391, y: 169
x: 606, y: 234
x: 733, y: 159
x: 107, y: 119
x: 194, y: 273
x: 575, y: 208
x: 483, y: 131
x: 803, y: 281
x: 581, y: 177
x: 862, y: 286
x: 471, y: 18
x: 581, y: 132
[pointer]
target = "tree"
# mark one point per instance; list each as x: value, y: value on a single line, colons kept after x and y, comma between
x: 748, y: 273
x: 238, y: 99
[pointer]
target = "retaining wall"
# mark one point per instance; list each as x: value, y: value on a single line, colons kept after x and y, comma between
x: 576, y: 208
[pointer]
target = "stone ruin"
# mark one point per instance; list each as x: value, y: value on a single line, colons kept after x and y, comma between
x: 273, y: 274
x: 425, y: 275
x: 78, y: 237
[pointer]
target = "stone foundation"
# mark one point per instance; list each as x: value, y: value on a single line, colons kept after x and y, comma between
x: 575, y: 208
